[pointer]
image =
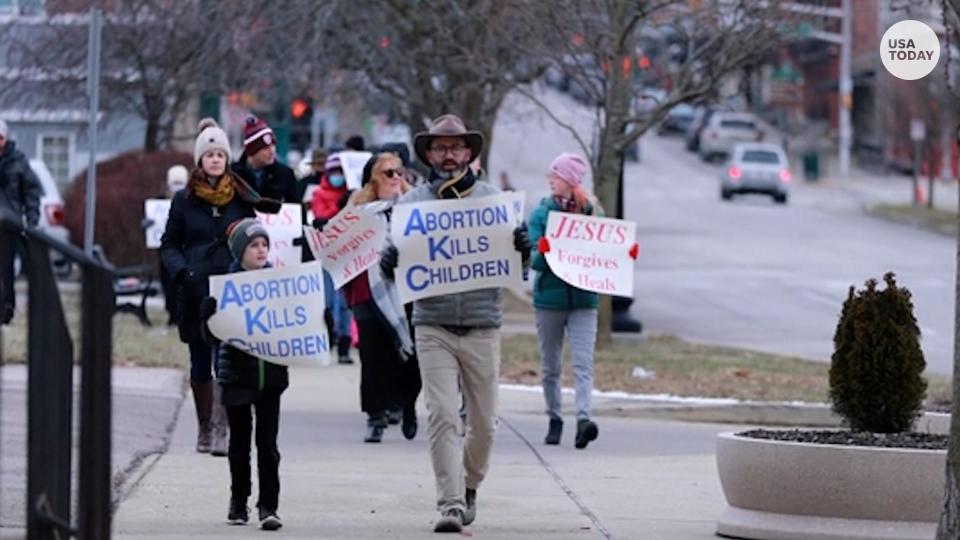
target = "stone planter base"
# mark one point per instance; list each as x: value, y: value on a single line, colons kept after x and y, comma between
x: 740, y: 523
x: 798, y: 491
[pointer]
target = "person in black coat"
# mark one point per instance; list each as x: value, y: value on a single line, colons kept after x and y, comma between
x: 258, y: 164
x: 193, y: 248
x: 249, y: 383
x: 20, y: 193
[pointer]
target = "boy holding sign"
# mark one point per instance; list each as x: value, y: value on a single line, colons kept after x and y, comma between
x: 249, y: 383
x: 457, y: 334
x: 562, y: 307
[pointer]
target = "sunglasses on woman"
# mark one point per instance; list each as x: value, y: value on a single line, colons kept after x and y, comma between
x: 390, y: 173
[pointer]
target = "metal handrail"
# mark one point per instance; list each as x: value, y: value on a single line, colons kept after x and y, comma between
x: 50, y: 390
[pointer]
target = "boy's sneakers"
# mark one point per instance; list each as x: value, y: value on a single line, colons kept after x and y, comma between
x: 269, y: 520
x: 471, y: 512
x: 451, y: 521
x: 238, y: 513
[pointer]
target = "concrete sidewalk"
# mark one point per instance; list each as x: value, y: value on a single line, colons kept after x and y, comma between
x: 641, y: 479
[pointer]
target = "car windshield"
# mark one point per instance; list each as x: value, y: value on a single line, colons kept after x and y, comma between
x: 760, y: 156
x: 737, y: 124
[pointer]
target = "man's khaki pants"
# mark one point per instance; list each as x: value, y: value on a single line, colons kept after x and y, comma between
x: 474, y: 359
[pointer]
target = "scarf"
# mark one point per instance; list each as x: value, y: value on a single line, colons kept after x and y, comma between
x: 227, y: 187
x: 384, y: 293
x: 458, y: 187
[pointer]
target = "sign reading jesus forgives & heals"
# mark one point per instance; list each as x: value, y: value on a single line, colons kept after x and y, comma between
x: 591, y: 253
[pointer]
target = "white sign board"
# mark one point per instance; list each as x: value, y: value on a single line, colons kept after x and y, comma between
x: 156, y: 210
x: 352, y: 163
x: 452, y: 246
x: 349, y: 243
x: 284, y: 227
x: 275, y: 314
x: 591, y: 253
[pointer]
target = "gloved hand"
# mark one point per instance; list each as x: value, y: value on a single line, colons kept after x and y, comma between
x: 319, y: 223
x: 634, y: 251
x: 183, y: 276
x: 208, y: 306
x: 543, y: 245
x: 388, y: 261
x: 521, y: 241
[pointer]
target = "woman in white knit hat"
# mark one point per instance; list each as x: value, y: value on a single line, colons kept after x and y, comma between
x: 193, y: 248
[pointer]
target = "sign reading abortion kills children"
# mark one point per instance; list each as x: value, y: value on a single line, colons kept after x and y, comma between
x: 349, y: 243
x: 275, y: 314
x: 284, y: 227
x: 591, y: 253
x: 455, y: 246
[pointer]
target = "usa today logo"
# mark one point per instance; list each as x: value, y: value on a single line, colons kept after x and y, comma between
x: 910, y: 50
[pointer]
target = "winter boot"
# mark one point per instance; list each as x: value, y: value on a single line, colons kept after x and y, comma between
x: 238, y: 513
x: 470, y: 513
x: 586, y: 432
x: 554, y: 431
x: 343, y: 350
x: 218, y: 424
x: 202, y: 401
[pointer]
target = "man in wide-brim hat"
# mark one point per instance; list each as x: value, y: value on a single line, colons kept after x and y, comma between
x: 457, y: 335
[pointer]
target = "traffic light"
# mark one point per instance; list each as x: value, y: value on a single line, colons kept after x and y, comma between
x: 301, y: 114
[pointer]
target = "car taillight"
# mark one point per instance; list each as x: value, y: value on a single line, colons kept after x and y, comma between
x: 734, y: 172
x: 54, y: 214
x: 785, y: 175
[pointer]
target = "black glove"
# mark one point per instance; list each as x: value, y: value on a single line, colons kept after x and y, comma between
x: 182, y: 276
x: 318, y: 223
x: 388, y: 261
x: 521, y: 241
x: 208, y: 306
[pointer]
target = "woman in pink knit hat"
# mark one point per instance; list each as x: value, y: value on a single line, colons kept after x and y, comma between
x: 562, y: 308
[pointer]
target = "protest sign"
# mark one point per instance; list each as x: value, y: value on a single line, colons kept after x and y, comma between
x: 349, y: 243
x: 284, y: 227
x: 591, y: 253
x: 275, y: 314
x: 352, y: 163
x: 156, y: 210
x: 455, y: 246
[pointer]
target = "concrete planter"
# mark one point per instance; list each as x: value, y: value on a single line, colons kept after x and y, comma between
x: 800, y: 491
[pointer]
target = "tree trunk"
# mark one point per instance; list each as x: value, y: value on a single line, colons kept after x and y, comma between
x: 616, y: 112
x: 949, y: 528
x: 151, y: 139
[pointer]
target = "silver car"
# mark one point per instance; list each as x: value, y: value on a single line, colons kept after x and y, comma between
x: 756, y: 168
x: 725, y: 129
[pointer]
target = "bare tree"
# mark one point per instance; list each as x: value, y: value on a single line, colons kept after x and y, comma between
x: 156, y: 57
x: 595, y: 43
x: 434, y: 57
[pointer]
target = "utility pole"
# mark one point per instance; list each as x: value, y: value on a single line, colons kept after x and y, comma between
x: 93, y: 91
x: 846, y: 87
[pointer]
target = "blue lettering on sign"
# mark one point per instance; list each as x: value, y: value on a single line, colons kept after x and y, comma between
x: 410, y: 277
x: 270, y: 289
x: 446, y: 220
x: 435, y: 246
x: 253, y: 321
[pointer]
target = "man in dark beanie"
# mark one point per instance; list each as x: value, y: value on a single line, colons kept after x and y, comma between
x: 258, y: 164
x: 355, y: 143
x: 20, y: 194
x: 457, y: 336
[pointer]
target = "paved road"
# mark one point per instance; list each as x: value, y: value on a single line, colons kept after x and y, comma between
x: 747, y: 273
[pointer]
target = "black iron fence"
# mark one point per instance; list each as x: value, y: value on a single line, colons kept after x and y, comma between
x: 50, y: 362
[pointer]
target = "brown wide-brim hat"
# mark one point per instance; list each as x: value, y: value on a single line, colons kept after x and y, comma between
x: 447, y: 125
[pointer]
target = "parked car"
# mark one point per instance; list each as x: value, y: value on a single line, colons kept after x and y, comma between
x: 51, y: 215
x: 701, y: 116
x: 726, y: 129
x: 756, y: 168
x: 677, y: 120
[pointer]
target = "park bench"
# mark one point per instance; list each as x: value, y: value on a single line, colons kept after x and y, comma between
x: 135, y: 283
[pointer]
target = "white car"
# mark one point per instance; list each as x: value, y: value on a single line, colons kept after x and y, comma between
x: 726, y: 129
x: 756, y: 168
x: 51, y: 214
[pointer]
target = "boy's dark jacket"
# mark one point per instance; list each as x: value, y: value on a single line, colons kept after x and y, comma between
x: 244, y: 376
